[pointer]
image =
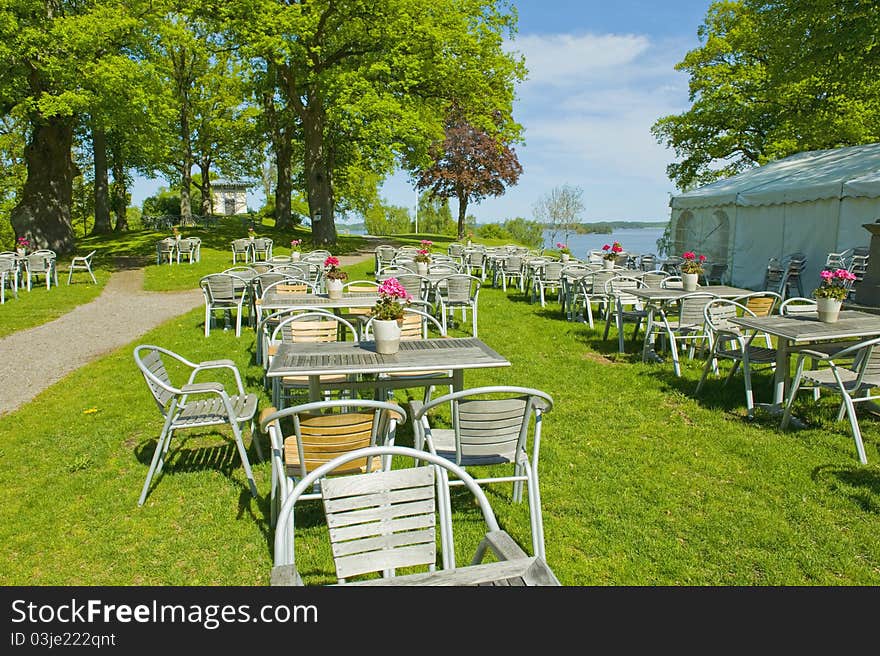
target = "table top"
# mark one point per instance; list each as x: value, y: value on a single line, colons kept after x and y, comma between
x: 672, y: 294
x: 530, y: 571
x: 275, y: 300
x: 320, y: 358
x: 807, y: 327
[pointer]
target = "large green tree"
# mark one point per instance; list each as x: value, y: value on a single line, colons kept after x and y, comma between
x: 772, y: 78
x: 48, y: 50
x: 367, y: 83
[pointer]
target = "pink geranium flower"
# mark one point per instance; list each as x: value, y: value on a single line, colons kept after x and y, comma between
x: 331, y: 261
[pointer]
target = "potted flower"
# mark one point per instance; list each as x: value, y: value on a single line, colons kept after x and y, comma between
x: 831, y: 293
x: 295, y: 248
x: 611, y: 253
x: 387, y: 315
x: 470, y: 238
x: 422, y: 260
x: 251, y: 233
x: 691, y: 269
x: 335, y: 277
x: 564, y: 251
x: 22, y: 245
x: 175, y: 232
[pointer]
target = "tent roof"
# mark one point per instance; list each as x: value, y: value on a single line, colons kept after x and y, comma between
x: 808, y: 176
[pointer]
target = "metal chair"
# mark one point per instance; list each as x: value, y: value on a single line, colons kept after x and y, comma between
x: 685, y: 323
x: 227, y: 292
x: 306, y: 436
x: 457, y: 291
x: 241, y: 248
x: 261, y: 249
x: 370, y: 535
x: 214, y: 405
x: 187, y: 248
x: 9, y: 271
x: 81, y: 263
x: 490, y: 426
x: 623, y: 307
x: 730, y: 342
x: 760, y: 304
x: 855, y: 384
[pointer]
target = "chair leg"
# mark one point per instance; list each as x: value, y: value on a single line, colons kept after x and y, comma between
x: 854, y: 424
x: 706, y: 368
x: 535, y: 516
x: 156, y: 462
x: 239, y: 443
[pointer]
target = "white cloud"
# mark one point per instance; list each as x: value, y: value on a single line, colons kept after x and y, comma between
x: 566, y: 59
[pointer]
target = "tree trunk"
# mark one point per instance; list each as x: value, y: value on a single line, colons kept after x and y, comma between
x: 186, y: 167
x: 102, y: 184
x: 284, y: 184
x: 42, y: 216
x: 462, y: 196
x: 120, y: 195
x: 207, y: 199
x: 318, y: 179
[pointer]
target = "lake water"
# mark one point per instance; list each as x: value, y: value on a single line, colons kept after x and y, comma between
x: 633, y: 240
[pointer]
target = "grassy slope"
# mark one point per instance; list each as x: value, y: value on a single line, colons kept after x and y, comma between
x: 641, y: 483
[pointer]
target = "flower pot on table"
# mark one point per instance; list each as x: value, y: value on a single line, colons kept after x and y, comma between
x: 334, y: 288
x: 689, y: 281
x: 828, y: 309
x: 608, y: 265
x: 422, y: 268
x: 386, y: 332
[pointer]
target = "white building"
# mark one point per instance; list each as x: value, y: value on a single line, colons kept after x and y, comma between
x: 814, y: 202
x: 230, y: 197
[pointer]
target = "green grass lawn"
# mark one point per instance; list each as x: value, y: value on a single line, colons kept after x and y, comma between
x: 642, y: 484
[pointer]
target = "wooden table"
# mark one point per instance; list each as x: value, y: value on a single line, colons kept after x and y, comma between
x: 799, y: 329
x: 275, y: 300
x: 656, y: 297
x: 448, y: 356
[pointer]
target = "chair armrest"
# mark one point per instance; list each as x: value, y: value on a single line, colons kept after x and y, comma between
x: 218, y: 364
x: 817, y: 355
x: 203, y: 388
x: 285, y: 575
x: 501, y: 544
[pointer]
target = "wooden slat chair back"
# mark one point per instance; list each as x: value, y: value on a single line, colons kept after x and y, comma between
x: 685, y: 324
x: 387, y: 520
x: 654, y: 278
x: 306, y: 436
x: 158, y: 380
x: 490, y: 426
x: 381, y: 521
x: 221, y: 288
x: 761, y: 304
x: 394, y: 271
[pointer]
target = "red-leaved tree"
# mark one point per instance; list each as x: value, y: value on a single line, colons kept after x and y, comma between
x: 469, y: 165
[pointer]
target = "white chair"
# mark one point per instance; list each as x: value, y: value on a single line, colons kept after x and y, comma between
x: 623, y: 307
x: 684, y: 323
x: 461, y: 291
x: 730, y: 342
x: 8, y: 276
x: 41, y: 263
x: 370, y: 535
x: 856, y: 383
x: 227, y: 292
x: 490, y: 426
x: 214, y: 407
x: 81, y: 263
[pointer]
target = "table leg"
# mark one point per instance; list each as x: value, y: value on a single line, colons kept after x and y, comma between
x: 649, y: 354
x: 314, y: 388
x: 782, y: 375
x: 457, y: 380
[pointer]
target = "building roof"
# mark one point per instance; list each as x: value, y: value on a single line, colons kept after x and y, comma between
x: 225, y: 183
x: 853, y: 171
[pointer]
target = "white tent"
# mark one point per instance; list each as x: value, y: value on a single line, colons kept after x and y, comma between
x: 814, y: 202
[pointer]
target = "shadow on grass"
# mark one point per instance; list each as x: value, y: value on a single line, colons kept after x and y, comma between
x: 859, y: 483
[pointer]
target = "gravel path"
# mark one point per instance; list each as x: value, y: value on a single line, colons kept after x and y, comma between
x: 118, y: 316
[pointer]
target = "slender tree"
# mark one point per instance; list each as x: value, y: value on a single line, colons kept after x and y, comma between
x: 470, y: 164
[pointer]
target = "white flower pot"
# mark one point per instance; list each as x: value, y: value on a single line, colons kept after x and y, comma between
x: 387, y: 335
x: 422, y: 268
x: 566, y: 257
x: 20, y: 251
x: 689, y: 281
x: 828, y: 309
x: 294, y: 256
x: 608, y: 265
x: 334, y: 288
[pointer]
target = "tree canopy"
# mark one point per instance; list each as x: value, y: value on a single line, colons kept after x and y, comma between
x: 772, y: 78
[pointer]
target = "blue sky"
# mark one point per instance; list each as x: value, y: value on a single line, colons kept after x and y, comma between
x: 600, y: 74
